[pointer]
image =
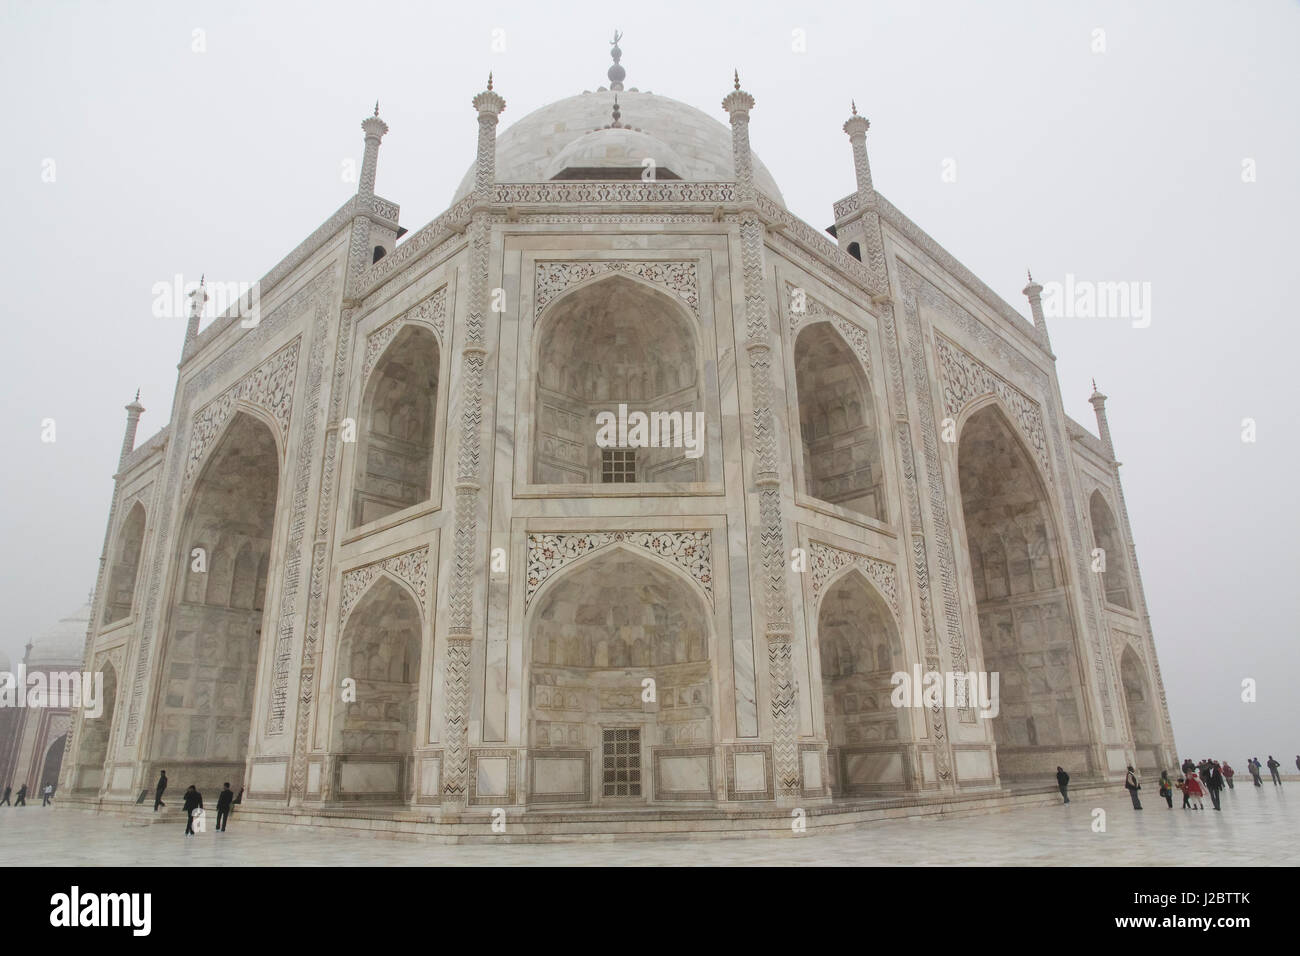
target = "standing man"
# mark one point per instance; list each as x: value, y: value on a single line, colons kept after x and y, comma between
x: 158, y: 792
x: 5, y: 801
x: 1228, y: 773
x: 22, y: 796
x: 1272, y: 768
x: 46, y: 794
x: 1253, y: 765
x: 224, y: 800
x: 193, y: 801
x: 1216, y: 785
x: 1132, y: 786
x: 1063, y: 783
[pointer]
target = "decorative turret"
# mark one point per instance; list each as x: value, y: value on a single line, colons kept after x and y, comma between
x: 738, y: 103
x: 1034, y: 292
x: 1098, y: 402
x: 197, y: 298
x: 133, y: 413
x: 374, y: 128
x: 490, y: 106
x: 859, y: 231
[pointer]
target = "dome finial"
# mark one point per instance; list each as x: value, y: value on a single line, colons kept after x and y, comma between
x: 376, y: 107
x: 617, y: 114
x: 854, y: 105
x: 737, y: 76
x: 489, y: 79
x: 616, y: 72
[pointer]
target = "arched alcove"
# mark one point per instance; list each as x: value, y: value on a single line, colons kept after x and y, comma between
x: 395, y: 433
x: 380, y: 652
x: 1115, y: 581
x: 597, y: 634
x: 860, y: 651
x: 616, y: 342
x: 53, y: 762
x: 837, y: 423
x: 209, y: 666
x: 1142, y: 713
x: 126, y: 562
x: 1026, y: 624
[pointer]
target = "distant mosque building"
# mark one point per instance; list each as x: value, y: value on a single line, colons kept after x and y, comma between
x: 381, y: 564
x: 33, y: 739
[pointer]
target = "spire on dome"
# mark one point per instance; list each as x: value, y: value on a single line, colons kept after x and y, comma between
x: 616, y: 72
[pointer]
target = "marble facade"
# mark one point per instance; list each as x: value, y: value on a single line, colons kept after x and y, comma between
x: 426, y: 583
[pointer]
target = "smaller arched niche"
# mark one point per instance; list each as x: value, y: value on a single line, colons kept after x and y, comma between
x: 380, y: 650
x: 1105, y: 534
x: 860, y: 650
x: 395, y: 433
x: 617, y: 343
x: 837, y: 424
x: 126, y: 563
x: 1141, y: 710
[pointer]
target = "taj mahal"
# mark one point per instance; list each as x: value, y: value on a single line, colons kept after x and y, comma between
x: 383, y: 569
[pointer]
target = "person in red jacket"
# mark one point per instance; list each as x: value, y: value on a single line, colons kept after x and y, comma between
x: 1227, y: 773
x: 1196, y: 791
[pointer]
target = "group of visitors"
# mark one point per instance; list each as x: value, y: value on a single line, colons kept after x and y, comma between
x: 20, y: 798
x: 193, y: 803
x: 1194, y: 781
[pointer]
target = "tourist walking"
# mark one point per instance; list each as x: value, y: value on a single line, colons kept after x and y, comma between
x: 1272, y: 768
x: 1227, y: 773
x: 1297, y: 761
x: 1253, y: 766
x: 1196, y: 792
x: 1216, y: 785
x: 1187, y: 794
x: 1188, y: 767
x: 46, y: 794
x: 5, y: 801
x: 21, y: 801
x: 158, y: 791
x: 1132, y: 786
x: 193, y: 801
x: 1063, y: 783
x: 1166, y: 788
x: 224, y: 800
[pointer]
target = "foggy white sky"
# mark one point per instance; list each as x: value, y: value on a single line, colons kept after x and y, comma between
x: 1119, y: 166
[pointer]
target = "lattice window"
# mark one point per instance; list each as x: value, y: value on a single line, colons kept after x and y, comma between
x: 617, y: 465
x: 622, y: 762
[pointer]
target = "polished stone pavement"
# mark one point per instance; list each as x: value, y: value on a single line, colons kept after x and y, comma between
x: 1257, y: 827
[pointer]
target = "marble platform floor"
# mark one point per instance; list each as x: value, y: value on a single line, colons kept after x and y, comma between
x: 1257, y: 827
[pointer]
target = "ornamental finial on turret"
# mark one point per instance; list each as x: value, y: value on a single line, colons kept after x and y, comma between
x: 489, y: 101
x: 736, y: 74
x: 853, y: 104
x: 376, y: 107
x: 616, y: 72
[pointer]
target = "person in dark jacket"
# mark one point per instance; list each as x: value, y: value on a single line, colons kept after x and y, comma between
x: 1216, y: 785
x: 1273, y: 766
x: 158, y: 791
x: 1063, y: 783
x: 1188, y: 766
x: 1132, y: 786
x: 1166, y: 788
x: 21, y: 800
x: 8, y: 790
x: 193, y: 801
x: 1253, y: 766
x: 224, y: 800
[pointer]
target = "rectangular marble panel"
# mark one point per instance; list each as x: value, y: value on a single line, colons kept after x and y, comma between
x: 268, y: 777
x: 873, y: 768
x: 1116, y: 759
x: 750, y: 772
x: 929, y: 770
x: 677, y: 774
x: 121, y: 779
x: 430, y: 776
x: 812, y: 770
x: 556, y: 775
x: 493, y: 778
x: 973, y: 765
x: 313, y: 777
x: 367, y: 777
x: 90, y: 777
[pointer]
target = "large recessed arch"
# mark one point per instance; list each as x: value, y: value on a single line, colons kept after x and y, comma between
x: 838, y: 430
x: 860, y: 649
x: 597, y: 633
x: 205, y: 694
x: 1027, y: 627
x: 126, y: 563
x: 1115, y: 581
x: 396, y: 430
x: 96, y: 733
x: 376, y: 727
x: 1142, y: 715
x: 610, y: 342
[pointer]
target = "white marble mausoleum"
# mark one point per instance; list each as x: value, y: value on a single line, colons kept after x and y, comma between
x: 382, y: 561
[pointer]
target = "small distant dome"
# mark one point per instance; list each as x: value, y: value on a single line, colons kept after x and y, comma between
x: 64, y: 643
x: 614, y: 149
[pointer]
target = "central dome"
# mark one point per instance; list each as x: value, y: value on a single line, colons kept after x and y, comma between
x: 696, y: 147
